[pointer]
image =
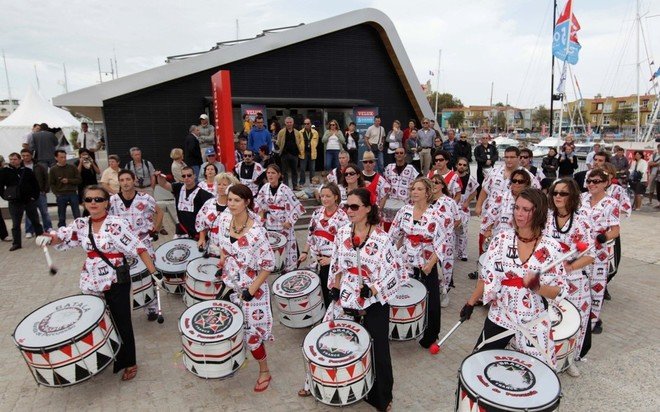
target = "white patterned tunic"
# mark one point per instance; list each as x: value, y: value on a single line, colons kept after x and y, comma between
x: 139, y: 214
x: 462, y: 230
x: 322, y: 231
x: 497, y: 183
x: 242, y: 170
x: 400, y: 183
x: 447, y: 210
x: 208, y: 187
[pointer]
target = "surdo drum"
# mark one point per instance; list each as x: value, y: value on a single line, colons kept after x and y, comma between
x: 338, y: 362
x: 505, y: 380
x: 143, y: 287
x: 278, y: 246
x: 171, y: 260
x: 408, y: 311
x: 391, y: 207
x: 68, y: 340
x: 299, y: 299
x: 212, y: 338
x: 201, y: 283
x: 565, y: 319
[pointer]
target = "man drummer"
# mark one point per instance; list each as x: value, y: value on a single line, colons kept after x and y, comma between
x: 335, y: 174
x: 400, y: 176
x: 143, y: 215
x: 248, y: 171
x: 374, y: 181
x: 188, y: 199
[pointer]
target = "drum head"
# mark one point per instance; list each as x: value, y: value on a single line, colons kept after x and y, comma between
x: 211, y: 321
x: 203, y: 269
x: 565, y: 320
x: 59, y: 321
x: 410, y: 294
x: 394, y: 204
x: 136, y: 264
x: 509, y: 379
x: 296, y: 283
x: 336, y: 347
x: 173, y: 256
x: 482, y: 259
x: 276, y: 239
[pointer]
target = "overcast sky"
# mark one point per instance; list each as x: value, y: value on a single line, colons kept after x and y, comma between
x: 507, y: 42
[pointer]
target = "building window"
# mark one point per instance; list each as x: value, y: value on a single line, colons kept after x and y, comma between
x: 599, y: 106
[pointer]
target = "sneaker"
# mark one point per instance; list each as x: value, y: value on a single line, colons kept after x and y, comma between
x: 598, y: 329
x: 607, y: 295
x: 573, y: 371
x: 444, y: 300
x: 152, y: 316
x: 472, y: 275
x: 29, y: 235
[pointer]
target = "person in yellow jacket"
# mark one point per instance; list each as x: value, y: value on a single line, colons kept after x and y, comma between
x: 307, y: 147
x: 290, y: 145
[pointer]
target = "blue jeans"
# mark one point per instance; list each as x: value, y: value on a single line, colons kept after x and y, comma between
x: 42, y: 205
x: 62, y: 202
x: 331, y: 159
x: 305, y: 164
x: 195, y: 171
x: 379, y: 159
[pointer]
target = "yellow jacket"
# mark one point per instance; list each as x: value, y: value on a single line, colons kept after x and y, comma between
x: 313, y: 143
x: 300, y: 142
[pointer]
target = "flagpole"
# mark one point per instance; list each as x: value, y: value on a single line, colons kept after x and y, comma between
x: 437, y: 89
x: 552, y: 76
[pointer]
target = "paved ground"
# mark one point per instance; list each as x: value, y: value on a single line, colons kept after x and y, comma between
x: 620, y: 374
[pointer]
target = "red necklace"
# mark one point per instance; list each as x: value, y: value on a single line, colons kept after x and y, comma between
x: 99, y: 219
x: 329, y: 215
x: 526, y: 240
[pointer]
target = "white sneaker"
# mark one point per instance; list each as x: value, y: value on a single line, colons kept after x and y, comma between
x: 444, y: 300
x: 28, y: 235
x: 573, y: 371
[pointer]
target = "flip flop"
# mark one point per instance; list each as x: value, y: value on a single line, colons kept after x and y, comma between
x: 258, y: 387
x: 129, y: 373
x: 303, y: 393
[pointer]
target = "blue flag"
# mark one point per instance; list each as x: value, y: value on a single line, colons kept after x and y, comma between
x: 565, y: 45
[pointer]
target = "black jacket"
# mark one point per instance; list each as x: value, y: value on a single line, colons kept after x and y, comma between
x: 480, y: 155
x: 566, y: 167
x: 28, y: 187
x: 463, y: 149
x: 550, y: 166
x: 192, y: 154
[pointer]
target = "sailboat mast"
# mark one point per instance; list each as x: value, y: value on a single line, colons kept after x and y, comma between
x: 437, y: 88
x: 11, y: 101
x: 639, y: 28
x: 552, y: 76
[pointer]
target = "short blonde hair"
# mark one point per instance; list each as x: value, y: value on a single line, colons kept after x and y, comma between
x: 176, y: 154
x: 229, y: 177
x: 428, y: 185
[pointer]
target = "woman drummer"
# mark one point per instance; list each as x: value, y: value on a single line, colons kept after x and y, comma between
x: 603, y: 211
x: 499, y: 213
x: 366, y: 299
x: 415, y: 228
x: 205, y: 220
x: 566, y: 225
x: 246, y: 261
x: 514, y: 280
x: 113, y: 240
x: 280, y: 209
x: 350, y: 180
x: 323, y: 227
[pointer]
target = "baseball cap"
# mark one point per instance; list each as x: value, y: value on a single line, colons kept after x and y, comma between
x: 203, y: 116
x: 209, y: 152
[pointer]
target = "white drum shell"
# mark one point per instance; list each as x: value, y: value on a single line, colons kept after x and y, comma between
x: 302, y: 309
x: 565, y: 333
x: 408, y: 316
x: 278, y: 246
x: 200, y: 282
x: 171, y: 261
x: 141, y: 283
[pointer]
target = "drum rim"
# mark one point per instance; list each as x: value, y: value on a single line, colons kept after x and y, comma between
x: 277, y: 232
x: 425, y: 298
x: 162, y: 246
x: 300, y: 294
x: 206, y: 301
x: 192, y: 276
x: 338, y: 365
x: 73, y: 338
x: 488, y: 402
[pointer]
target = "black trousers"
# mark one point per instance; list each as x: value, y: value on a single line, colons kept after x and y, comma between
x: 617, y: 257
x: 480, y: 178
x: 586, y: 345
x: 16, y: 209
x: 491, y: 329
x: 118, y: 299
x: 3, y: 228
x: 323, y: 275
x: 376, y: 322
x: 290, y: 169
x: 432, y: 285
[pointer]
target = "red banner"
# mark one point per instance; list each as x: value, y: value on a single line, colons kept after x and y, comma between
x: 224, y: 121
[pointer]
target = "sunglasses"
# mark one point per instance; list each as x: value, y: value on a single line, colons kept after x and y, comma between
x: 368, y: 161
x: 461, y: 164
x: 353, y: 207
x: 524, y: 157
x: 562, y: 194
x: 95, y: 199
x: 187, y: 175
x: 594, y: 181
x: 247, y: 155
x: 350, y: 173
x: 519, y: 181
x: 399, y: 153
x: 425, y: 122
x: 440, y: 160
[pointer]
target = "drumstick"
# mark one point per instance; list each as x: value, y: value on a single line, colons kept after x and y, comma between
x: 452, y: 330
x: 580, y: 247
x: 51, y: 267
x: 160, y: 312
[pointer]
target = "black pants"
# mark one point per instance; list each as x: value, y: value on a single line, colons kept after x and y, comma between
x: 376, y: 322
x: 432, y: 285
x: 491, y: 329
x: 323, y: 275
x: 118, y: 299
x: 617, y: 257
x: 586, y: 345
x: 16, y: 210
x: 290, y: 169
x: 3, y: 229
x: 480, y: 178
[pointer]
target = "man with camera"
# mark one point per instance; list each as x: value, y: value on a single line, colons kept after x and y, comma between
x: 143, y: 171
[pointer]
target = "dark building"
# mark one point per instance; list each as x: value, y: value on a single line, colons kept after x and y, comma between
x: 320, y: 70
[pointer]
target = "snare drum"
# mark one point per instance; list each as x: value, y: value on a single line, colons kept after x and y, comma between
x: 68, y: 340
x: 565, y: 319
x: 278, y: 246
x: 339, y: 362
x: 212, y: 338
x: 506, y: 380
x: 408, y: 311
x: 171, y: 260
x: 299, y: 298
x: 143, y: 287
x: 201, y: 283
x: 390, y: 209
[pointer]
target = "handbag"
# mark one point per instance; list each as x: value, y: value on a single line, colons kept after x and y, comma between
x: 123, y: 271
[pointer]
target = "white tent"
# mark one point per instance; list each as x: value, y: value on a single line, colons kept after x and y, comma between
x: 34, y: 108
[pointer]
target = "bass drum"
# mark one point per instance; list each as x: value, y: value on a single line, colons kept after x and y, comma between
x: 201, y: 283
x: 143, y: 287
x: 299, y: 299
x: 171, y: 261
x: 565, y: 319
x: 408, y: 311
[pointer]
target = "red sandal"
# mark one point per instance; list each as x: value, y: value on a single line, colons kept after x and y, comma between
x: 259, y: 386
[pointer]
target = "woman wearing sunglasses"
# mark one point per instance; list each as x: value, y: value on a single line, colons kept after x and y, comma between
x: 512, y: 280
x: 350, y: 180
x: 107, y: 240
x: 450, y: 219
x: 280, y: 209
x: 499, y: 213
x: 419, y: 231
x: 603, y: 211
x: 566, y: 225
x: 205, y: 222
x: 366, y: 300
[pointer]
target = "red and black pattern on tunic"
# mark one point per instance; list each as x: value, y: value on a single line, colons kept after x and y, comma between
x: 447, y: 210
x: 322, y: 231
x: 139, y: 214
x: 462, y: 230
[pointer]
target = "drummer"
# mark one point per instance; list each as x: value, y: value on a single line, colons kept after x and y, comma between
x: 144, y: 216
x: 104, y: 238
x: 469, y: 187
x: 367, y: 300
x: 323, y: 227
x: 603, y: 211
x: 400, y: 176
x: 206, y: 218
x: 349, y: 180
x: 246, y: 261
x: 441, y: 161
x: 248, y: 171
x: 421, y: 239
x: 566, y: 225
x: 373, y: 180
x: 335, y: 174
x: 280, y: 209
x: 188, y: 199
x: 498, y: 216
x: 510, y: 279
